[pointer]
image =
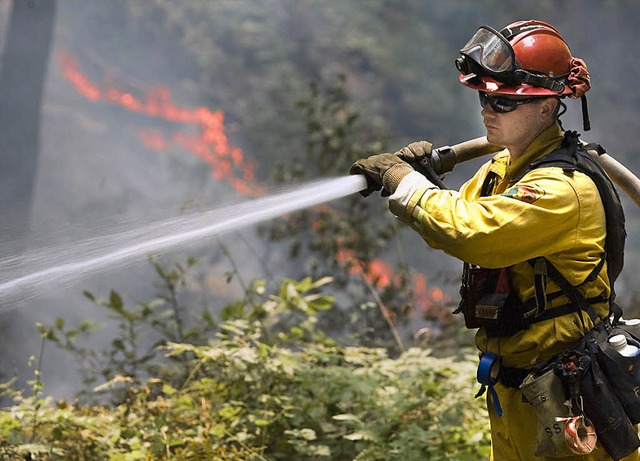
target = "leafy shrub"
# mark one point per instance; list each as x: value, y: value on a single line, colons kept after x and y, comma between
x: 132, y: 355
x: 267, y: 388
x: 337, y: 403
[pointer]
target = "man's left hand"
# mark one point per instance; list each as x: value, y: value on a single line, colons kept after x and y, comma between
x: 383, y: 171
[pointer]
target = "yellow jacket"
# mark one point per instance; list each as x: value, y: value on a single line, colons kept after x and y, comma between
x: 546, y: 213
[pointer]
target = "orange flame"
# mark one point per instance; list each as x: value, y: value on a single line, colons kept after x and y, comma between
x: 153, y: 139
x: 380, y: 274
x: 211, y: 144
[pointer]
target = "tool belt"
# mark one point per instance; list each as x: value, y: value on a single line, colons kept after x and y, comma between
x: 586, y: 393
x: 590, y: 384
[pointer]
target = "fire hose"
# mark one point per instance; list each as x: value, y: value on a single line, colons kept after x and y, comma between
x: 444, y: 159
x: 159, y: 236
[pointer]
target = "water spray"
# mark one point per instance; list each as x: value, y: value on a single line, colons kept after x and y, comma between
x: 66, y: 265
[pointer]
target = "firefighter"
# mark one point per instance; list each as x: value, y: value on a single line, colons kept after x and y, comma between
x: 516, y: 222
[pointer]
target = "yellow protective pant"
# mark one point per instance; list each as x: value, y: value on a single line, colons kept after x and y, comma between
x: 513, y: 435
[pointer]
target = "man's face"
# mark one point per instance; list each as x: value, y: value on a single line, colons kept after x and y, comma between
x: 512, y: 129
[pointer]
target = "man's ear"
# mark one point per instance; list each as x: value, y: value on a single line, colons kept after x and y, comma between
x: 549, y: 106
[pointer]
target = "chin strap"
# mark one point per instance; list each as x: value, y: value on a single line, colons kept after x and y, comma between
x: 586, y: 123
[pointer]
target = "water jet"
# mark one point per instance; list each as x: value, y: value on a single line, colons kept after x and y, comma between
x: 68, y: 264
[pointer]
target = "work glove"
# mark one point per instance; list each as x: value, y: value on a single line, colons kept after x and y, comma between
x: 415, y: 152
x: 418, y: 155
x: 382, y: 171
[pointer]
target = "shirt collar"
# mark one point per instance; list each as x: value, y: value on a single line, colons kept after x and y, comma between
x: 546, y: 142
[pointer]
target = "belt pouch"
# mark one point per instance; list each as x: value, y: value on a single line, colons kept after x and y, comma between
x: 547, y: 395
x: 602, y: 406
x: 475, y: 282
x: 622, y: 374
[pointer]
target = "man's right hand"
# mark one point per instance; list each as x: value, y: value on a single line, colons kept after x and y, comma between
x: 415, y: 152
x: 418, y: 155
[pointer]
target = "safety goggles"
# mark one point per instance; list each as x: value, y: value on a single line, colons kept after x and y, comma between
x: 501, y: 104
x: 489, y: 53
x: 489, y: 50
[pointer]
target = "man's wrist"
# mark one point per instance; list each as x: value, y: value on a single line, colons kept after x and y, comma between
x: 394, y: 175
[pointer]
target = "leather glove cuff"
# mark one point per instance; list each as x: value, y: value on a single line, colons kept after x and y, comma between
x: 394, y: 175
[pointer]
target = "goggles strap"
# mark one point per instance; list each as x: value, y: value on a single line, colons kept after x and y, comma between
x: 543, y: 81
x: 509, y: 32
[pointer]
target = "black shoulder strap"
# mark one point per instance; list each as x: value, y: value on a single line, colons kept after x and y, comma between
x: 575, y: 297
x: 572, y: 156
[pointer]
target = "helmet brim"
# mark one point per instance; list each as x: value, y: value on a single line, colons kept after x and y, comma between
x: 492, y: 86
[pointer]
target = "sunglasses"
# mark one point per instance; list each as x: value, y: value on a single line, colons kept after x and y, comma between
x: 501, y: 104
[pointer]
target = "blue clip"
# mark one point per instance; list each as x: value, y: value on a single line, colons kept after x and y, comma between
x: 487, y: 375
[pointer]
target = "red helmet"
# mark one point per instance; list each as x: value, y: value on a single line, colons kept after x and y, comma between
x: 525, y: 58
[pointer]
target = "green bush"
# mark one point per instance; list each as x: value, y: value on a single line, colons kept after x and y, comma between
x: 267, y: 388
